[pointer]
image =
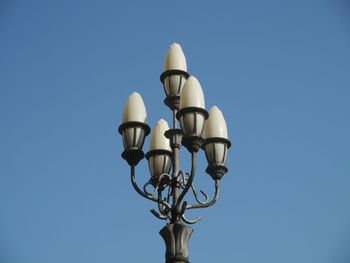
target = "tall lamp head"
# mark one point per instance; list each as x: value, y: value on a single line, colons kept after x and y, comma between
x: 159, y: 154
x: 174, y: 75
x: 192, y: 114
x: 216, y: 143
x: 134, y: 129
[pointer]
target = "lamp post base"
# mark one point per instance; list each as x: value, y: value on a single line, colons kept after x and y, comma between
x: 176, y: 238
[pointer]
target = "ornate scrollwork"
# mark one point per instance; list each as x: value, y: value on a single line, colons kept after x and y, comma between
x: 190, y: 221
x: 208, y: 203
x: 165, y: 183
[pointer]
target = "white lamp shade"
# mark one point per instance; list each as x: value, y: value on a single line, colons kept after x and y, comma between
x: 215, y: 125
x: 215, y: 135
x: 192, y: 94
x: 134, y: 109
x: 158, y: 139
x: 159, y: 155
x: 191, y: 120
x: 175, y: 58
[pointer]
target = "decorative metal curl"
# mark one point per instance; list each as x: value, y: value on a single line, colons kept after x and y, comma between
x: 190, y: 221
x: 164, y: 180
x: 196, y: 195
x: 208, y: 203
x: 159, y: 216
x: 163, y: 206
x: 190, y: 179
x: 168, y: 194
x: 155, y: 189
x: 184, y: 181
x: 150, y: 196
x: 137, y: 188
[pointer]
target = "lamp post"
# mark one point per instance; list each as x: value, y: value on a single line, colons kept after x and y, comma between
x: 199, y: 129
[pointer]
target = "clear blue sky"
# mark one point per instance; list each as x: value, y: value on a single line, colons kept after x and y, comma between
x: 280, y: 72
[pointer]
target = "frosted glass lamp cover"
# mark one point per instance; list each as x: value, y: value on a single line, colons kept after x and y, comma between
x: 158, y: 140
x: 159, y: 154
x: 134, y: 109
x: 192, y: 113
x: 215, y: 125
x: 134, y: 128
x: 174, y: 75
x: 175, y: 58
x: 216, y: 142
x: 192, y: 94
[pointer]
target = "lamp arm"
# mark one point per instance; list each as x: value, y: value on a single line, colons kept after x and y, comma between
x: 137, y: 188
x: 168, y: 195
x: 163, y: 206
x: 190, y: 179
x: 209, y: 203
x: 197, y: 197
x: 190, y: 221
x: 158, y: 215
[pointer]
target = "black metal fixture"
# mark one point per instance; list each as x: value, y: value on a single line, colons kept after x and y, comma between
x: 168, y: 185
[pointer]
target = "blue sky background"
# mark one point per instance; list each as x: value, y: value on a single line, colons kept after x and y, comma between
x: 280, y: 72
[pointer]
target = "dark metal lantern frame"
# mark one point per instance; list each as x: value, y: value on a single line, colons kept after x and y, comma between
x: 192, y: 139
x: 168, y: 190
x: 134, y: 154
x: 172, y: 99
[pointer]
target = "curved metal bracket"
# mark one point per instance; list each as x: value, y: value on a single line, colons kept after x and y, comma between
x: 190, y: 221
x: 146, y: 191
x: 148, y: 195
x: 182, y: 181
x: 212, y: 201
x: 196, y: 195
x: 157, y: 215
x: 137, y: 188
x: 183, y: 209
x: 163, y: 206
x: 190, y: 179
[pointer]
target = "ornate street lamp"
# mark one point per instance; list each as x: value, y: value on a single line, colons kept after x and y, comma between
x: 199, y: 130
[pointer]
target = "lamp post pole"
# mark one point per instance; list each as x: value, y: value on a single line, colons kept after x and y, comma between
x: 168, y: 185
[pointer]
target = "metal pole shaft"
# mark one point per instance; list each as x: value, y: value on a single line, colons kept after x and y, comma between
x: 175, y: 185
x: 174, y: 119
